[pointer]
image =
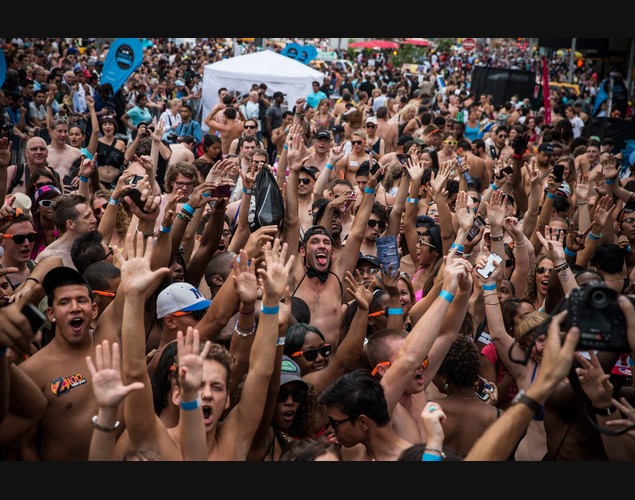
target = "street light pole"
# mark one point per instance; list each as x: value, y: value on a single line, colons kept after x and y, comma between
x: 572, y: 59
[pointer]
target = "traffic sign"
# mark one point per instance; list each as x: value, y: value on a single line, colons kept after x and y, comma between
x: 468, y: 44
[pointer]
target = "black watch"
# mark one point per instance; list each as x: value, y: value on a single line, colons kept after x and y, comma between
x: 521, y: 397
x: 603, y: 411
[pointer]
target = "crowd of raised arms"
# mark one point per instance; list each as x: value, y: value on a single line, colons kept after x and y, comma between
x: 148, y: 313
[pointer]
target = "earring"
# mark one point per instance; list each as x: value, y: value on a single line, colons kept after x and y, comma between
x: 446, y: 386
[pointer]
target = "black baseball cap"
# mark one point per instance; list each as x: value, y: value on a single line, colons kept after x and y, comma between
x: 371, y: 259
x: 278, y: 94
x: 315, y: 230
x: 62, y: 276
x: 323, y: 134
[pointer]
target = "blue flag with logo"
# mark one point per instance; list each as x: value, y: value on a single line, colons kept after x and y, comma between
x: 3, y: 68
x: 601, y: 96
x: 124, y: 56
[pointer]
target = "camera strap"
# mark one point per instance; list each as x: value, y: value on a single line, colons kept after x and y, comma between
x: 586, y: 406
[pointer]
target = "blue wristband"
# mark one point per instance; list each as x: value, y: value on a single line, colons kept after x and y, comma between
x: 460, y: 248
x: 429, y: 457
x: 165, y: 229
x: 413, y: 200
x: 285, y: 146
x: 269, y: 309
x: 189, y: 209
x: 594, y: 237
x: 368, y: 190
x: 191, y: 405
x: 248, y: 191
x: 112, y: 201
x: 395, y: 311
x: 446, y: 295
x: 83, y: 179
x: 610, y: 181
x: 494, y: 187
x: 551, y: 195
x: 329, y: 166
x: 569, y: 253
x: 627, y: 249
x: 491, y: 286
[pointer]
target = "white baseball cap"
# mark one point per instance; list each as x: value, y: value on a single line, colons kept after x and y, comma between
x: 180, y: 297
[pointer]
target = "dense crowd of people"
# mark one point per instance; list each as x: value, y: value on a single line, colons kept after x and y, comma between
x: 389, y: 268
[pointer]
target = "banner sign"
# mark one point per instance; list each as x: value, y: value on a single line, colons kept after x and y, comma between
x: 124, y: 56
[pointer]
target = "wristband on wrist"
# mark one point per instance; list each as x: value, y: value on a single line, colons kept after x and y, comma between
x: 594, y: 236
x: 580, y: 203
x: 394, y: 311
x: 413, y: 200
x: 244, y: 333
x: 496, y: 238
x: 191, y: 405
x: 491, y: 286
x: 459, y: 248
x: 104, y: 428
x: 517, y: 156
x: 31, y: 278
x: 446, y: 295
x: 113, y: 201
x: 184, y: 216
x: 610, y: 181
x: 83, y: 179
x: 551, y: 195
x: 248, y: 191
x: 368, y: 190
x: 188, y: 208
x: 494, y: 187
x: 329, y: 166
x: 269, y: 309
x: 165, y: 229
x: 285, y: 147
x: 627, y: 249
x: 430, y: 457
x: 569, y: 253
x: 280, y: 341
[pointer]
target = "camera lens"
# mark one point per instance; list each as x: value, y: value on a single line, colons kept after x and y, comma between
x: 598, y: 298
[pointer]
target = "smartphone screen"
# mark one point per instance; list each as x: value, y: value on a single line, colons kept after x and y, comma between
x: 403, y: 158
x: 487, y: 270
x: 478, y: 223
x: 222, y: 191
x: 483, y: 385
x: 558, y: 172
x: 135, y: 196
x: 388, y: 253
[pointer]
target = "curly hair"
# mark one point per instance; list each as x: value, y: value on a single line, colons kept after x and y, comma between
x: 531, y: 290
x: 461, y: 364
x: 309, y: 415
x: 184, y: 168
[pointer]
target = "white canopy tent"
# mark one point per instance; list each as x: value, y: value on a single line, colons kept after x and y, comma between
x: 280, y: 73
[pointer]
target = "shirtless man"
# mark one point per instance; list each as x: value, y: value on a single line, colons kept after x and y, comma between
x: 73, y: 217
x: 182, y: 150
x: 36, y: 155
x: 61, y: 154
x: 60, y: 371
x: 386, y: 130
x: 315, y: 277
x: 478, y: 151
x: 479, y: 168
x: 318, y: 157
x: 230, y: 129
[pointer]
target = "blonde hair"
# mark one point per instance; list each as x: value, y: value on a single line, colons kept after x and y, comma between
x: 523, y: 330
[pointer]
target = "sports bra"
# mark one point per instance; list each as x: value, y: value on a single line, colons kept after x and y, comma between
x: 108, y: 154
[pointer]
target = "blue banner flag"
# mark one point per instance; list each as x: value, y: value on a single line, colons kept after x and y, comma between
x: 124, y: 56
x: 601, y: 96
x: 301, y: 53
x: 3, y: 68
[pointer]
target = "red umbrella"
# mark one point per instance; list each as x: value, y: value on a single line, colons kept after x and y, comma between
x: 421, y: 42
x: 375, y: 44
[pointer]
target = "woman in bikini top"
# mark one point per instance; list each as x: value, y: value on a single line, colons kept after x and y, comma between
x: 110, y: 152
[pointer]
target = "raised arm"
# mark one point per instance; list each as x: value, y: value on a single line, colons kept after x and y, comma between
x: 93, y: 140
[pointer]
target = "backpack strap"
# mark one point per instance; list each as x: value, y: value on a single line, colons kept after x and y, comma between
x: 17, y: 177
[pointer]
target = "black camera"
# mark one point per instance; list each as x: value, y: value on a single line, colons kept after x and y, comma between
x: 172, y: 137
x: 594, y: 309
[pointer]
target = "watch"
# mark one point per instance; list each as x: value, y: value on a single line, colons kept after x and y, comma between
x: 604, y: 411
x: 521, y: 397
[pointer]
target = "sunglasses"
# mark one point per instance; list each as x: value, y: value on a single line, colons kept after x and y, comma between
x: 45, y: 203
x: 304, y: 181
x: 424, y: 365
x: 38, y: 185
x: 250, y: 126
x: 450, y: 143
x: 197, y: 315
x: 370, y: 125
x: 378, y: 313
x: 356, y: 143
x: 312, y: 354
x: 543, y: 270
x: 423, y: 242
x: 372, y: 223
x: 19, y: 238
x: 503, y: 136
x: 298, y: 395
x: 336, y: 423
x: 105, y: 294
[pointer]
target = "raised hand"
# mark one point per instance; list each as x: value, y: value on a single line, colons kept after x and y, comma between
x: 603, y: 209
x: 464, y: 215
x: 512, y: 226
x: 105, y: 376
x: 355, y: 287
x: 553, y: 241
x: 245, y: 282
x: 136, y: 274
x: 257, y: 240
x: 275, y: 277
x: 5, y: 152
x: 190, y: 360
x: 582, y: 187
x: 495, y: 210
